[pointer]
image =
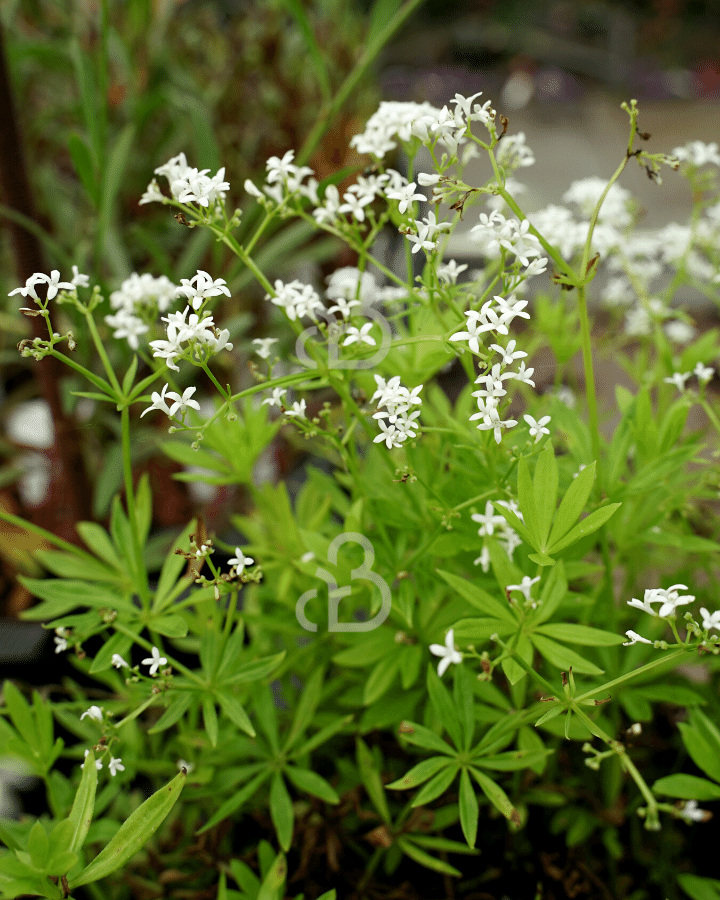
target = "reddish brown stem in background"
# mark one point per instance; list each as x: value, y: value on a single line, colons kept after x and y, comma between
x: 69, y: 497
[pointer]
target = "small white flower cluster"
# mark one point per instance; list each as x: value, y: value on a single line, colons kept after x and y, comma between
x: 697, y: 154
x: 495, y: 232
x: 670, y: 599
x: 397, y: 400
x: 201, y: 287
x: 703, y: 374
x: 276, y: 399
x: 513, y: 152
x: 187, y: 184
x: 138, y: 301
x: 284, y: 180
x: 297, y: 299
x: 422, y: 121
x: 202, y: 337
x: 488, y: 522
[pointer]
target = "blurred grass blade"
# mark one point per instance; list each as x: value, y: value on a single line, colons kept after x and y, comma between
x: 88, y: 101
x: 56, y: 252
x: 83, y: 162
x: 296, y: 10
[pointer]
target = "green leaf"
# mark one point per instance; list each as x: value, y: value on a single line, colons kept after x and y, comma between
x: 98, y: 540
x: 437, y: 785
x: 172, y: 626
x: 133, y: 834
x: 545, y: 486
x: 497, y: 796
x: 699, y: 888
x: 306, y: 706
x: 573, y: 503
x: 235, y: 711
x: 64, y: 595
x: 143, y: 508
x: 235, y: 801
x: 420, y: 773
x: 564, y: 657
x: 130, y: 375
x: 443, y: 706
x: 256, y: 670
x: 312, y: 783
x: 267, y: 717
x: 381, y: 677
x: 210, y: 718
x: 580, y: 634
x: 83, y: 162
x: 372, y: 781
x: 702, y: 753
x: 424, y: 737
x: 513, y: 760
x: 587, y: 526
x: 38, y: 846
x: 71, y: 565
x: 424, y: 859
x: 708, y: 729
x: 514, y: 522
x: 116, y: 643
x: 84, y: 803
x: 526, y: 502
x: 687, y: 787
x: 478, y: 597
x: 281, y: 811
x: 321, y: 737
x: 179, y: 704
x: 469, y: 809
x: 271, y: 888
x: 514, y: 672
x: 481, y: 629
x: 20, y: 714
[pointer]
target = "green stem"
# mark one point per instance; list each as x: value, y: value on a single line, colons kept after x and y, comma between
x: 590, y: 393
x: 141, y: 583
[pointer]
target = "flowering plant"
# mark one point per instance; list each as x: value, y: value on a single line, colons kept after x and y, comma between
x: 531, y: 614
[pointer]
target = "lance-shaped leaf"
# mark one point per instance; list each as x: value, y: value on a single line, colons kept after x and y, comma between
x: 580, y: 634
x: 420, y: 773
x: 312, y: 783
x: 469, y: 809
x: 526, y: 502
x: 687, y: 787
x: 497, y: 796
x: 133, y: 833
x: 479, y: 598
x: 372, y: 781
x: 84, y: 803
x: 409, y: 848
x: 545, y: 486
x: 573, y: 503
x: 588, y: 525
x: 564, y: 657
x: 281, y: 811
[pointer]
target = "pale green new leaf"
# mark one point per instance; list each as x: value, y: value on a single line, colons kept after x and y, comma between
x: 588, y: 525
x: 84, y: 803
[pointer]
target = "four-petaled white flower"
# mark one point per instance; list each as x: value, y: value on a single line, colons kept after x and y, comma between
x: 710, y: 620
x: 447, y: 651
x: 182, y: 403
x: 678, y: 379
x: 158, y: 402
x: 263, y: 346
x: 359, y: 334
x: 154, y: 661
x: 537, y: 429
x: 240, y: 560
x: 276, y: 399
x: 634, y: 639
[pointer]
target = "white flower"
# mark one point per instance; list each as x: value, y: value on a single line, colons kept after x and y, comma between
x: 703, y: 373
x: 488, y: 520
x: 182, y: 403
x: 119, y: 662
x: 240, y: 560
x: 298, y: 409
x: 710, y: 621
x: 634, y: 639
x: 296, y: 298
x: 524, y: 374
x: 690, y: 811
x: 405, y: 194
x: 158, y: 402
x: 95, y: 712
x: 202, y: 286
x: 80, y: 280
x: 359, y: 334
x: 276, y: 399
x: 355, y: 205
x: 152, y: 194
x: 509, y: 354
x: 537, y: 429
x: 524, y: 586
x: 115, y: 765
x: 678, y: 379
x: 483, y: 560
x: 53, y: 282
x: 448, y: 653
x: 263, y: 346
x: 61, y: 643
x: 98, y: 763
x: 448, y: 272
x: 392, y: 435
x: 154, y: 661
